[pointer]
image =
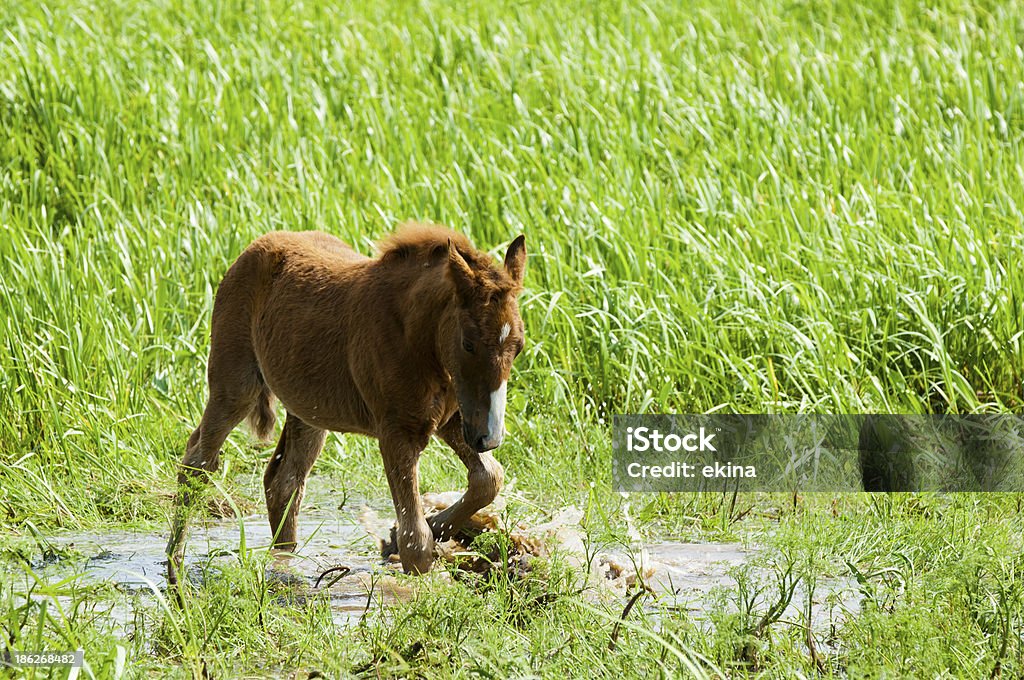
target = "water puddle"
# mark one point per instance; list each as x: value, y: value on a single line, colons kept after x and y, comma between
x: 339, y: 554
x: 133, y: 562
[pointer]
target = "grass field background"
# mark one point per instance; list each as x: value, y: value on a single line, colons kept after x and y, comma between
x: 736, y: 206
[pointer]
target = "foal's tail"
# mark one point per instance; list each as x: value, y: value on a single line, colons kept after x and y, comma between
x: 261, y: 418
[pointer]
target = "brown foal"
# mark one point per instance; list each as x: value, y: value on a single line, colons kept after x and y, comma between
x: 417, y: 342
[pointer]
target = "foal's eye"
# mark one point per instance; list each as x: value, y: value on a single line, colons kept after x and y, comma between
x: 467, y: 345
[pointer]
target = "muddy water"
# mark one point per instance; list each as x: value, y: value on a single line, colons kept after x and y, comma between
x: 684, y: 575
x: 134, y: 561
x: 681, y: 576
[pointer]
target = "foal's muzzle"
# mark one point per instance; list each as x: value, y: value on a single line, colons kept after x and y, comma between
x: 483, y: 427
x: 482, y: 442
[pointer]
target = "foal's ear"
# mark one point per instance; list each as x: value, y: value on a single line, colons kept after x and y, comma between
x: 515, y: 259
x: 459, y: 270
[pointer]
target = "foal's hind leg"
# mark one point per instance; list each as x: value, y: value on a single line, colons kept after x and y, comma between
x: 223, y: 412
x: 485, y: 476
x: 285, y: 479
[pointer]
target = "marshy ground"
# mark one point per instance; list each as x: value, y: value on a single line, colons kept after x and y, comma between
x: 736, y: 207
x: 825, y: 584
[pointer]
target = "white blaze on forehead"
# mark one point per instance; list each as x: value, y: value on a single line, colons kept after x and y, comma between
x: 496, y: 416
x: 504, y: 333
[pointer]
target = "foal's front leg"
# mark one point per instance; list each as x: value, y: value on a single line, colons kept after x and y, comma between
x: 413, y: 536
x: 485, y: 477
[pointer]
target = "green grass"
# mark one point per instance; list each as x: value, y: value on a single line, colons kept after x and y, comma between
x: 736, y: 206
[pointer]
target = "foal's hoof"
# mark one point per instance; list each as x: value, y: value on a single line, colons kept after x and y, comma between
x: 415, y: 562
x: 421, y: 564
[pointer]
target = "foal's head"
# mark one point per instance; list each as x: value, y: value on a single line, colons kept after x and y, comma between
x: 488, y: 337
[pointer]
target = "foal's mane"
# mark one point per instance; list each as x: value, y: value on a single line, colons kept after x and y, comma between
x: 428, y: 243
